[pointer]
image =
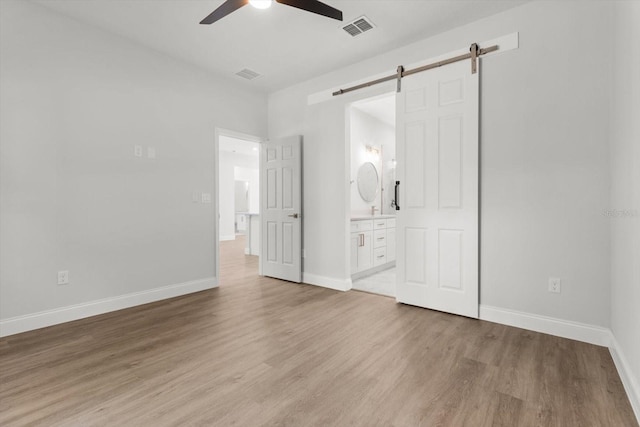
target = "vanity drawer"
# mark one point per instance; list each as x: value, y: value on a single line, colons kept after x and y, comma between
x: 379, y: 224
x: 391, y: 223
x: 379, y: 256
x: 379, y: 238
x: 365, y: 225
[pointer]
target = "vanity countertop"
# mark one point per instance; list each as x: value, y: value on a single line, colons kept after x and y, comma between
x: 365, y: 217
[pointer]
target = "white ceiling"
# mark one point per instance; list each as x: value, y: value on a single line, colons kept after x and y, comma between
x: 284, y: 44
x: 382, y: 108
x: 238, y: 146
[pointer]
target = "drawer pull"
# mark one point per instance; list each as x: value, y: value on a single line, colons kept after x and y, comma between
x: 380, y: 238
x: 380, y: 256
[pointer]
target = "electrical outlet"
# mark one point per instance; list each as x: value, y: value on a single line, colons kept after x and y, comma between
x: 195, y: 197
x: 63, y: 277
x: 137, y: 150
x: 206, y: 197
x: 555, y: 285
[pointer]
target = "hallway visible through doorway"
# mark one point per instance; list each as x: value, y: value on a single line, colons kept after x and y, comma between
x: 234, y: 263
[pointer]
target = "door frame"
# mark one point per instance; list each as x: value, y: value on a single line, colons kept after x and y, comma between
x: 216, y: 185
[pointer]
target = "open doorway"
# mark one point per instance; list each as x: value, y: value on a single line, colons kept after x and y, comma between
x: 372, y: 223
x: 238, y: 202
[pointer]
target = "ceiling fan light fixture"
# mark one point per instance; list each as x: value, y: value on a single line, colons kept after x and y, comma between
x: 313, y: 6
x: 260, y: 4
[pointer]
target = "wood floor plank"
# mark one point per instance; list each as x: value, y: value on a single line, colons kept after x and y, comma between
x: 261, y: 352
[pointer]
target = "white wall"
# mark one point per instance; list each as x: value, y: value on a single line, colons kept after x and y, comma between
x: 624, y: 215
x: 74, y: 102
x: 544, y: 133
x: 228, y: 163
x: 367, y: 130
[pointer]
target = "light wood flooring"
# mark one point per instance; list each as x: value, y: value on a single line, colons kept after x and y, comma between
x: 261, y: 352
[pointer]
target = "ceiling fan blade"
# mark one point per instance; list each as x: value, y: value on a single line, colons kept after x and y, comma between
x: 314, y: 6
x: 226, y: 8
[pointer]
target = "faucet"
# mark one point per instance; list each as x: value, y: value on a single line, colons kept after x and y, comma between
x: 373, y: 210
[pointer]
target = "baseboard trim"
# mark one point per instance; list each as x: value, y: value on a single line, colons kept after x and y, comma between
x: 327, y: 282
x: 549, y: 325
x: 629, y: 381
x: 29, y: 322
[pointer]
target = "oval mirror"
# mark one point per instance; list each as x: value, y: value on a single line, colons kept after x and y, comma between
x: 368, y: 182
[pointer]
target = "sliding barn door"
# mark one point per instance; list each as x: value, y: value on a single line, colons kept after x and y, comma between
x: 437, y: 149
x: 281, y: 204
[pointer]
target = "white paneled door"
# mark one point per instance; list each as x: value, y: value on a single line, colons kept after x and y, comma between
x: 437, y: 149
x: 281, y: 204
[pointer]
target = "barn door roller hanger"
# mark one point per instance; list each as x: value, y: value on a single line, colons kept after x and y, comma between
x: 474, y: 53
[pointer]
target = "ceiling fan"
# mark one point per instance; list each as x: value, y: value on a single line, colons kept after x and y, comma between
x: 313, y: 6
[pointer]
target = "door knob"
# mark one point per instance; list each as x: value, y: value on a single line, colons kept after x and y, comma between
x: 295, y: 215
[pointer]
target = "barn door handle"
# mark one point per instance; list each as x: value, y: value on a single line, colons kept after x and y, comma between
x: 397, y: 195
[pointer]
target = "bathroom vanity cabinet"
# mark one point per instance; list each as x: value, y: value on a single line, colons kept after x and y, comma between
x: 373, y: 245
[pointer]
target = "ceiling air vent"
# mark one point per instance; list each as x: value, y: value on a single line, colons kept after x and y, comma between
x: 248, y: 74
x: 358, y: 26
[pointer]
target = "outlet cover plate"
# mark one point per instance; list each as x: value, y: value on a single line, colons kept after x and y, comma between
x: 555, y: 285
x: 63, y: 277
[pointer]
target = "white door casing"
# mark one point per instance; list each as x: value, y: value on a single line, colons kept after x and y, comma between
x: 281, y: 208
x: 438, y: 148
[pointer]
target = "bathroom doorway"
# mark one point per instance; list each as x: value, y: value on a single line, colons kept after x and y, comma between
x: 372, y: 138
